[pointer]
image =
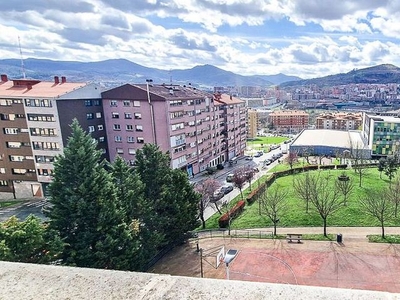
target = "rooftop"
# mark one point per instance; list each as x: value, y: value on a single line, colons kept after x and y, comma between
x: 21, y: 88
x: 329, y: 138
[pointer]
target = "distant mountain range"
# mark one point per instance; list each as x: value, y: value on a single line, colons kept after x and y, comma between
x: 381, y: 74
x: 120, y: 71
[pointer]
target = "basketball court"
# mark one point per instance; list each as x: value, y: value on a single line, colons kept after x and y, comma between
x: 355, y: 264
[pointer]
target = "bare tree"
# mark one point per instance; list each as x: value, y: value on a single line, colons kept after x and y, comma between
x: 239, y: 179
x: 345, y: 185
x: 302, y: 187
x: 325, y: 198
x: 291, y: 159
x: 378, y: 206
x: 393, y: 194
x: 306, y: 152
x: 274, y: 201
x: 206, y: 189
x: 249, y: 174
x: 358, y: 155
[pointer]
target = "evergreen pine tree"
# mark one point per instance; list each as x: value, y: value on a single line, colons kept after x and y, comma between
x: 84, y: 209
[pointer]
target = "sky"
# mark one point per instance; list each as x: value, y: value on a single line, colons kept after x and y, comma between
x: 305, y: 38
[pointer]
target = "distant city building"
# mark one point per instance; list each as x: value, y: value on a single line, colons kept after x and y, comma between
x: 253, y: 123
x: 339, y: 121
x: 290, y: 121
x: 382, y: 134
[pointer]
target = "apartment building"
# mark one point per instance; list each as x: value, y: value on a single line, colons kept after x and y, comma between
x: 32, y: 131
x: 233, y: 122
x: 339, y: 121
x: 181, y: 120
x: 382, y: 134
x: 253, y: 123
x: 289, y: 121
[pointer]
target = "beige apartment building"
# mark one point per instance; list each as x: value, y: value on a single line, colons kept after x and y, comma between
x: 253, y: 123
x: 339, y: 121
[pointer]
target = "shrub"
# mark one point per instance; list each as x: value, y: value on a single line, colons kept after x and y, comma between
x: 231, y: 214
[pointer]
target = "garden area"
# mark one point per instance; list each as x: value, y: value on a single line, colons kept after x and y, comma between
x: 351, y: 213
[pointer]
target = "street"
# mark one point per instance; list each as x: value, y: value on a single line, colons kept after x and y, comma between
x: 25, y: 209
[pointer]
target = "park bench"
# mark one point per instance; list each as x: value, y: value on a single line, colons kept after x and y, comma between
x: 294, y: 237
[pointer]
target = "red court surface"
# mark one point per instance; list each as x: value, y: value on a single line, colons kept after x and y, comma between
x: 356, y: 264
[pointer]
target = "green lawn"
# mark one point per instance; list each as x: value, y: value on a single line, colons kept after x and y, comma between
x: 296, y: 216
x: 266, y: 140
x: 4, y: 204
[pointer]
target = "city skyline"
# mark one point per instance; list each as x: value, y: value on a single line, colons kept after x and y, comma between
x: 307, y: 38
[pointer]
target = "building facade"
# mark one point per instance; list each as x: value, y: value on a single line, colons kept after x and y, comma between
x: 32, y: 131
x: 289, y: 121
x: 382, y: 134
x: 339, y: 121
x: 253, y: 123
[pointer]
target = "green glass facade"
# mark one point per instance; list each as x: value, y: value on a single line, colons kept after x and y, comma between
x: 386, y: 138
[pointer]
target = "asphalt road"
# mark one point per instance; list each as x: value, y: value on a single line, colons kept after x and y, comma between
x: 23, y: 210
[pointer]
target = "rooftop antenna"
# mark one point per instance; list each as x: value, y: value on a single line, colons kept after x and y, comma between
x: 22, y: 60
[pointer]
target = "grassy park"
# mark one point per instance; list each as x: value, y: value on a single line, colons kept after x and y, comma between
x: 295, y: 214
x: 264, y: 142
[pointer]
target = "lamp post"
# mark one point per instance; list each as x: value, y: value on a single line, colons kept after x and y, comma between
x: 153, y: 125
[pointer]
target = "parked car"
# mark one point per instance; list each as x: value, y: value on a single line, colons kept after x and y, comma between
x: 267, y: 162
x: 218, y: 194
x: 258, y: 154
x: 249, y: 157
x: 227, y: 189
x: 229, y: 177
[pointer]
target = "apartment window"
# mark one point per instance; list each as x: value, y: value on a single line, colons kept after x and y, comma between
x: 14, y: 144
x: 140, y: 140
x: 96, y: 102
x: 5, y: 102
x: 19, y: 171
x: 16, y: 158
x: 117, y: 127
x: 2, y: 170
x: 3, y: 183
x: 89, y: 116
x: 127, y: 103
x: 98, y: 115
x: 88, y: 102
x: 136, y: 103
x: 11, y: 130
x: 138, y: 115
x: 41, y: 118
x: 131, y: 151
x: 130, y: 139
x: 128, y: 116
x: 115, y: 115
x: 118, y: 139
x: 101, y: 139
x: 177, y: 126
x: 38, y: 102
x: 120, y: 150
x: 129, y: 127
x: 100, y: 127
x: 176, y: 114
x: 46, y: 146
x: 44, y: 159
x: 139, y: 128
x: 91, y: 129
x: 43, y: 131
x: 113, y: 103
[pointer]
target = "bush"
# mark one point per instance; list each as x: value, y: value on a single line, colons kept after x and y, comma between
x: 232, y: 214
x: 211, y: 170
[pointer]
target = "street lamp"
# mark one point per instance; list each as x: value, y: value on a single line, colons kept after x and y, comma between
x: 153, y: 125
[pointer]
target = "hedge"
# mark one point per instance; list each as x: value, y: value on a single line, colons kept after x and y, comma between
x: 231, y: 214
